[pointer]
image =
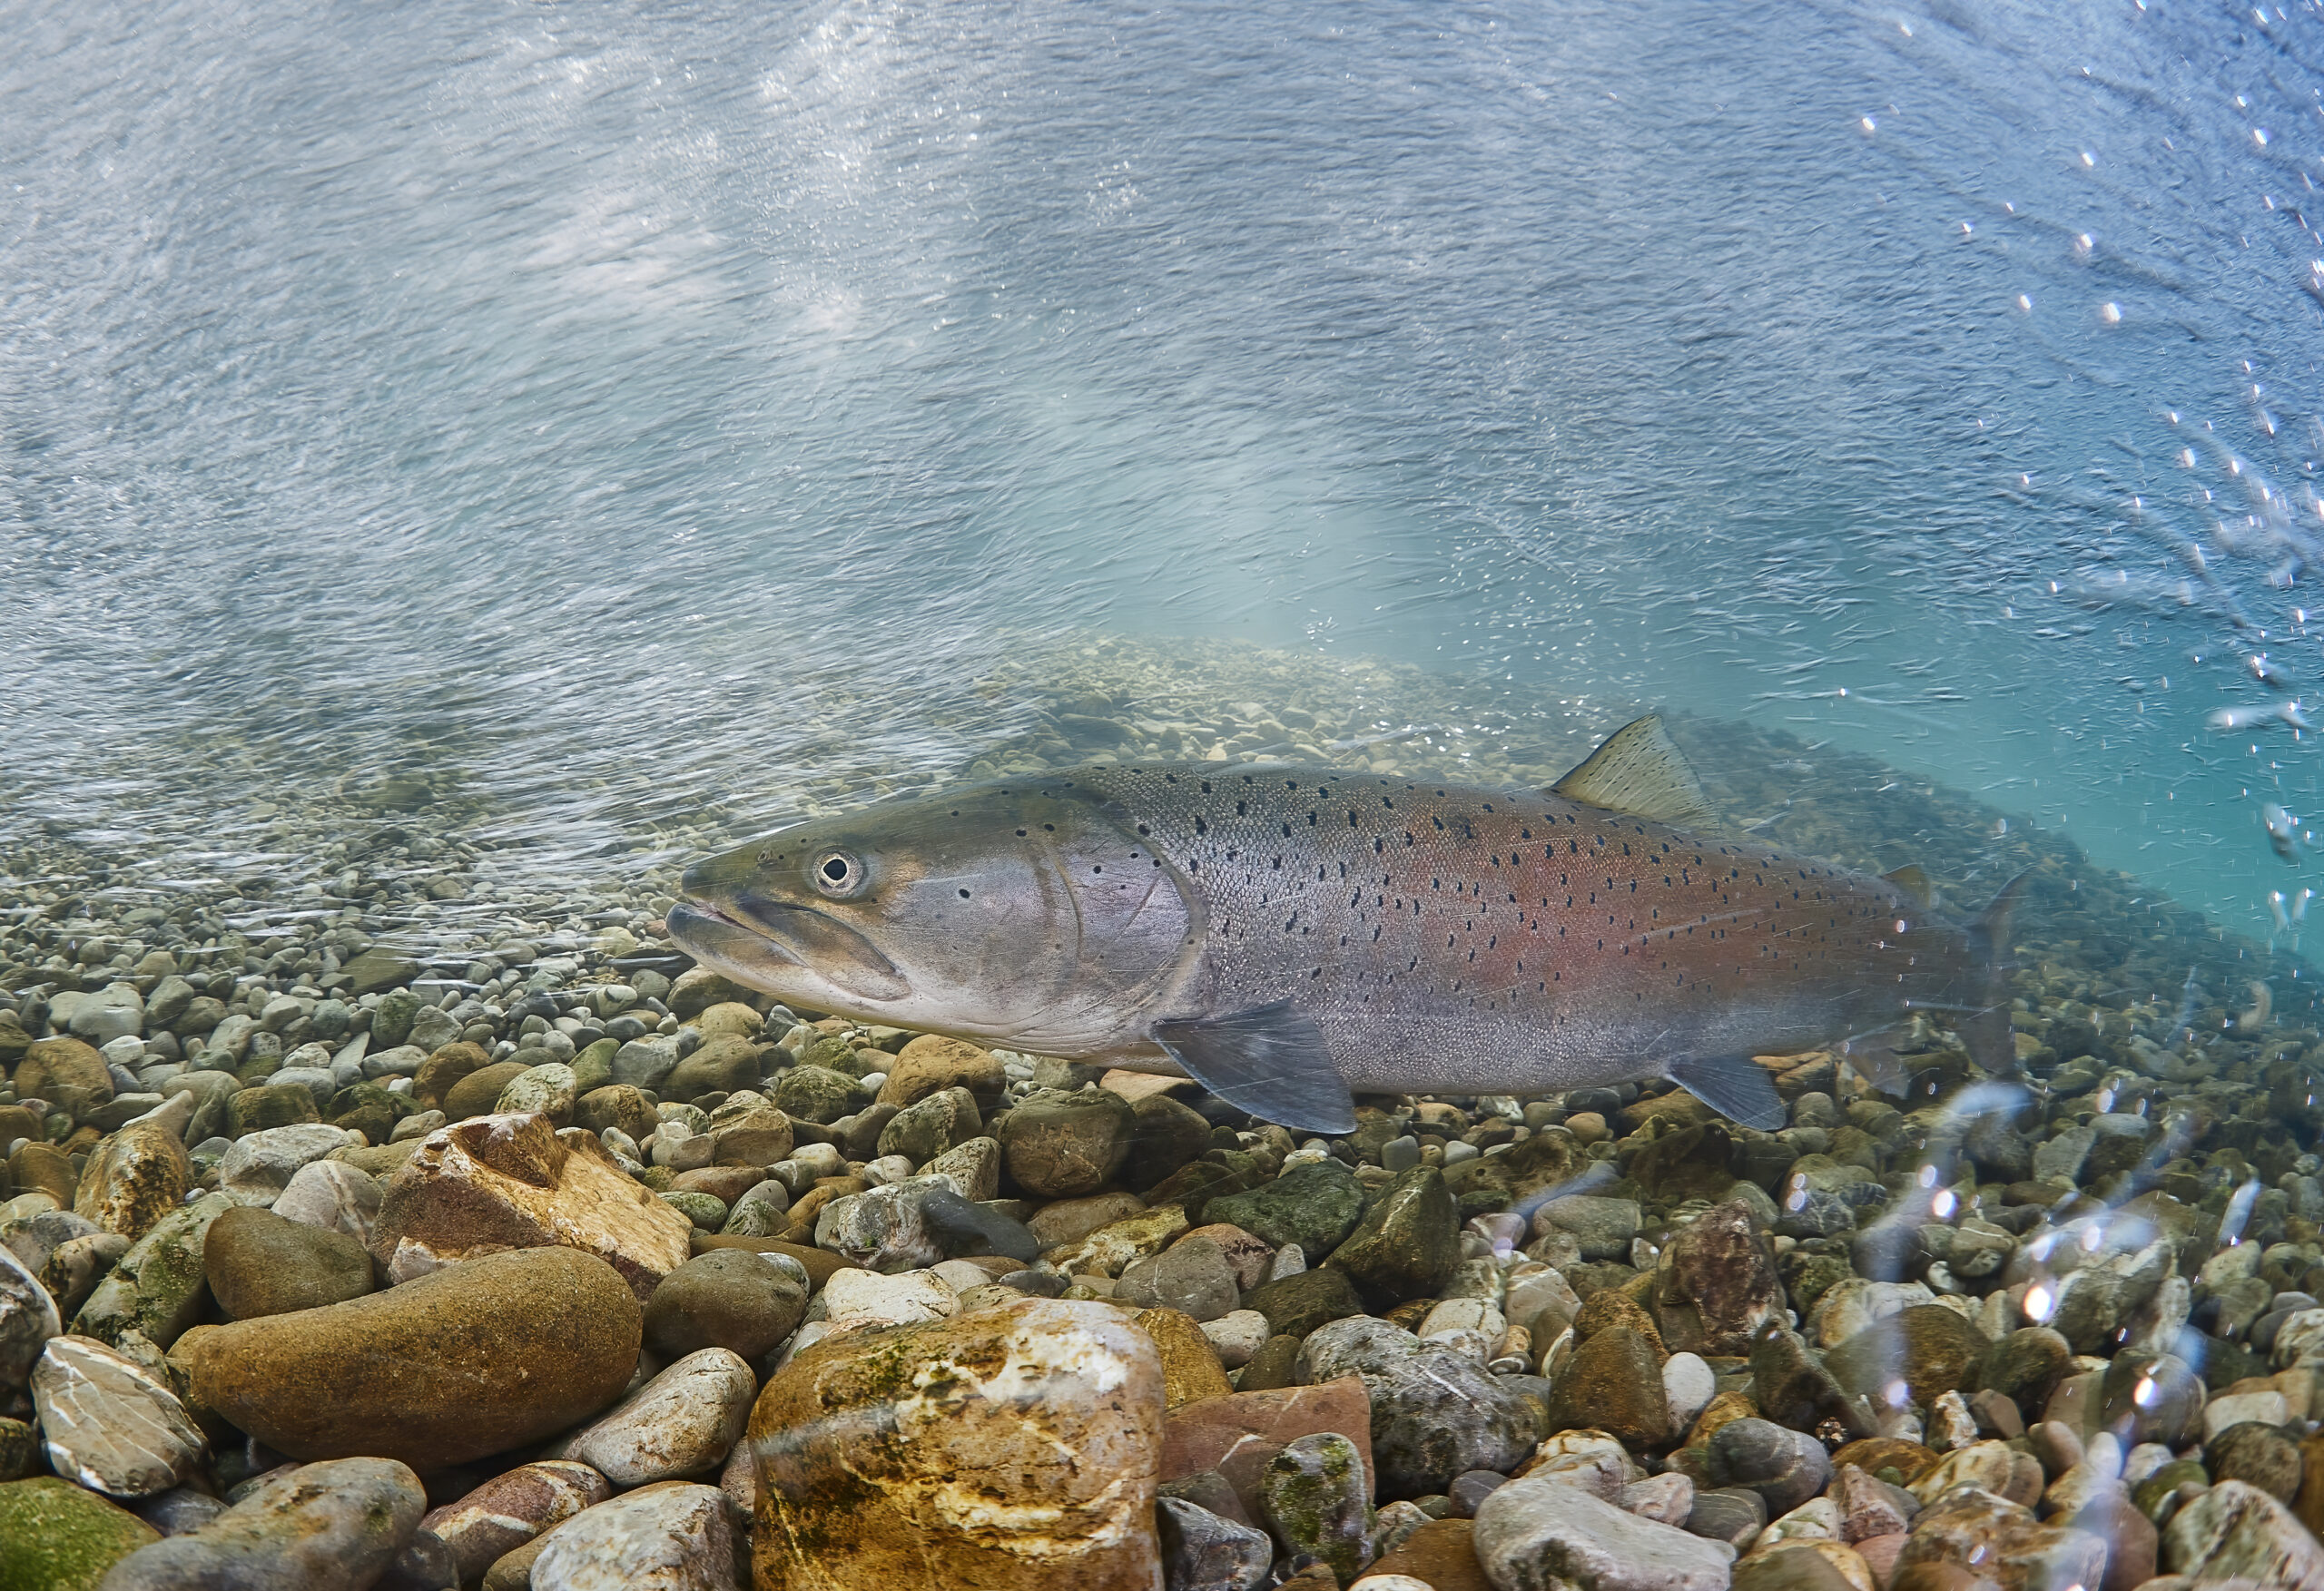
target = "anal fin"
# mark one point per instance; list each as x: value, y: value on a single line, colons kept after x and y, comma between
x: 1736, y: 1086
x: 1270, y: 1060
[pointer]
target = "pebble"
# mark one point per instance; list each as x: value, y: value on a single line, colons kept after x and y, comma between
x: 512, y: 1508
x: 343, y: 1522
x: 1236, y: 1336
x: 468, y: 1362
x: 332, y: 1195
x: 259, y: 1263
x: 1785, y: 1466
x: 1192, y: 1275
x: 108, y: 1424
x: 261, y: 1164
x: 670, y: 1536
x: 1315, y: 1498
x: 1201, y: 1551
x: 28, y: 1319
x: 731, y: 1299
x: 159, y: 1285
x: 135, y: 1177
x: 497, y: 1183
x: 681, y: 1423
x: 1058, y: 1145
x: 1063, y: 1449
x: 1543, y: 1536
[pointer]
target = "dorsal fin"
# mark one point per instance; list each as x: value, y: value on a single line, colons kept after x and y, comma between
x: 1913, y: 885
x: 1639, y: 770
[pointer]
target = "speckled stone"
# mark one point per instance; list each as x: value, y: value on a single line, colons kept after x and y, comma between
x: 134, y: 1178
x: 674, y: 1535
x: 491, y: 1354
x: 512, y: 1508
x: 1190, y: 1367
x: 679, y: 1424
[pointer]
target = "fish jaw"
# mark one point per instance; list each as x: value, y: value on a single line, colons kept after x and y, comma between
x: 1023, y: 915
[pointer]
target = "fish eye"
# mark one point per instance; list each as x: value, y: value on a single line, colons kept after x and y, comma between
x: 838, y: 874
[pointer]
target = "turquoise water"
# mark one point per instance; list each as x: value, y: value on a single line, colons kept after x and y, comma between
x: 608, y: 413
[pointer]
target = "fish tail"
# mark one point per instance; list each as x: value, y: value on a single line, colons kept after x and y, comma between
x: 1985, y: 1028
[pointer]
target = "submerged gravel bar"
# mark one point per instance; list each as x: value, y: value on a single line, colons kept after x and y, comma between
x: 369, y: 1221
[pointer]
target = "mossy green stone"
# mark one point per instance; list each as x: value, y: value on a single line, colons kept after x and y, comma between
x: 815, y: 1094
x: 2148, y: 1495
x: 593, y: 1068
x: 362, y: 1095
x: 1295, y: 1305
x: 55, y: 1536
x: 1317, y: 1497
x: 706, y: 1211
x: 273, y: 1104
x: 1409, y: 1245
x: 1314, y: 1206
x: 19, y: 1450
x: 835, y: 1054
x: 157, y: 1285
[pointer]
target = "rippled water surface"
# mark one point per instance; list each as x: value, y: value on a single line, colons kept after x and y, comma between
x: 610, y: 423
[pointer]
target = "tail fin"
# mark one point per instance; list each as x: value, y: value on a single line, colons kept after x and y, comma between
x: 1987, y: 1030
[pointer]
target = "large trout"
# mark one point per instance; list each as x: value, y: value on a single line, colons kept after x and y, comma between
x: 1286, y: 935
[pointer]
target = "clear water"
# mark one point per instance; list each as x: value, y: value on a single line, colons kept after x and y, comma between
x: 605, y: 415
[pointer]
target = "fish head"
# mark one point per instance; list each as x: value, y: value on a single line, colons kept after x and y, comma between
x: 1031, y: 915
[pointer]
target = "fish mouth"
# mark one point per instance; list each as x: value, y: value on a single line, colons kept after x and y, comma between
x: 759, y: 939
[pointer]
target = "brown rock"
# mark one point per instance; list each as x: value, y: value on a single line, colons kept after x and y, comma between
x: 1060, y: 1145
x: 1977, y: 1531
x: 43, y: 1168
x: 1190, y: 1367
x: 1613, y: 1307
x: 476, y: 1094
x: 725, y: 1184
x: 1722, y: 1409
x: 440, y: 1071
x: 718, y: 1065
x: 1237, y: 1433
x: 65, y: 1072
x: 907, y: 1461
x: 1068, y: 1221
x: 135, y: 1177
x: 698, y: 989
x: 513, y: 1509
x: 620, y: 1107
x: 1274, y: 1367
x: 1910, y: 1460
x: 1439, y: 1554
x: 494, y: 1353
x: 260, y: 1264
x: 758, y: 1137
x: 17, y: 1121
x: 1715, y: 1284
x: 932, y: 1063
x: 515, y: 1183
x: 1614, y: 1383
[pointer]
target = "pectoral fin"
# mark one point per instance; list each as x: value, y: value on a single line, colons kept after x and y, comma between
x: 1270, y: 1061
x: 1735, y: 1086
